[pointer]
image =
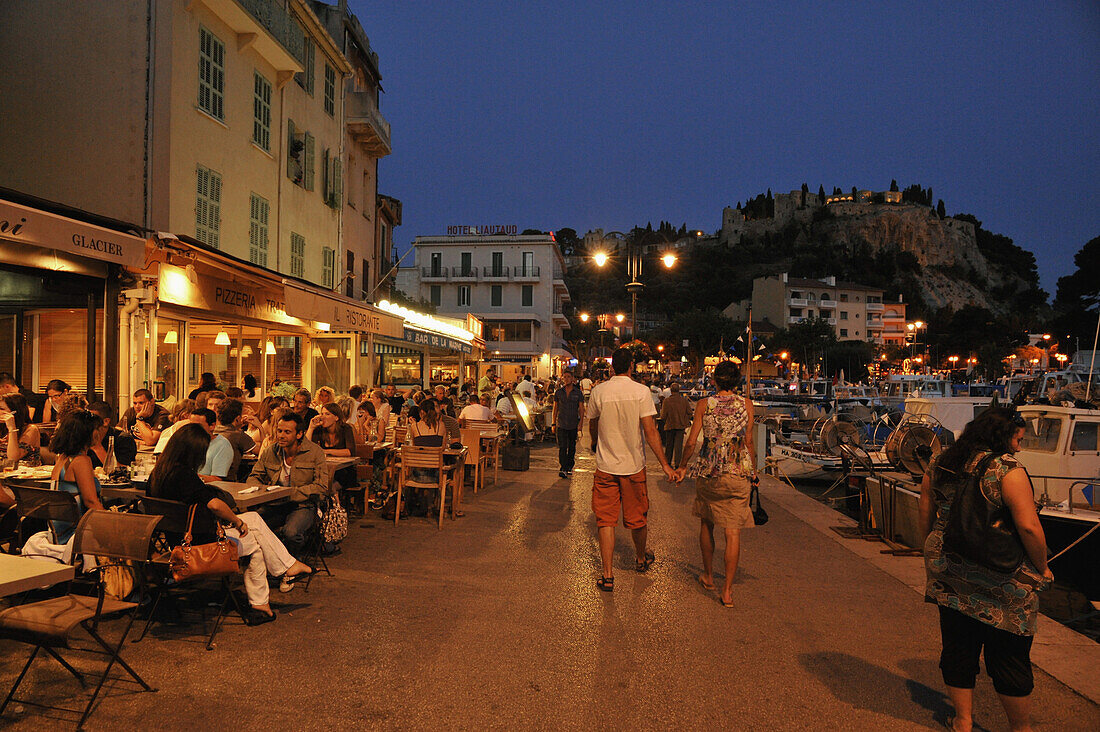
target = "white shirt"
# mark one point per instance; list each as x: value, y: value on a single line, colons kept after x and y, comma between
x: 166, y: 435
x: 586, y: 386
x: 620, y: 404
x: 476, y: 412
x: 526, y: 388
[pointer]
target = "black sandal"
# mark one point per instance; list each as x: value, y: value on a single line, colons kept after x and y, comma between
x: 607, y: 584
x: 646, y: 563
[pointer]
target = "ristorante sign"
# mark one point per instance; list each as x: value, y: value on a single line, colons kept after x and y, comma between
x: 341, y: 313
x: 50, y: 231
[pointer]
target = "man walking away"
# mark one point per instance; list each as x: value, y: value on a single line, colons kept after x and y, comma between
x: 568, y: 417
x: 621, y: 413
x: 675, y: 418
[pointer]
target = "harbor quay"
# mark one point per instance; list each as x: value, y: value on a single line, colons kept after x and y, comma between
x: 495, y: 622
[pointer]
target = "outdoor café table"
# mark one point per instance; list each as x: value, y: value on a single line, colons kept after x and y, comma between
x: 19, y: 574
x: 246, y: 498
x: 125, y: 492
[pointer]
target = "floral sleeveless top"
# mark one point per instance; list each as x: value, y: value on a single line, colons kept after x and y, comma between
x: 723, y: 452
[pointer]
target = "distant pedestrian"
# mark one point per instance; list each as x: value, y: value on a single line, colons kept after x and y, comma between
x: 586, y: 387
x: 724, y: 472
x: 621, y: 422
x: 980, y: 606
x: 568, y: 416
x: 675, y: 419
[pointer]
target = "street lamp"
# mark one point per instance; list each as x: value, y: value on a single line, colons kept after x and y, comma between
x: 584, y: 317
x: 633, y: 271
x: 954, y: 360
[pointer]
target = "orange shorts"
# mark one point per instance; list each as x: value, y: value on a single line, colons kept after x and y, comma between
x: 609, y: 492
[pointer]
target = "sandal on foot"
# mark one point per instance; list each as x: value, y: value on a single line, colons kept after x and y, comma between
x: 724, y: 603
x: 706, y: 585
x: 258, y: 617
x: 646, y: 563
x: 607, y: 584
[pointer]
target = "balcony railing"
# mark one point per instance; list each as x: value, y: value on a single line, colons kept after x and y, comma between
x: 874, y: 306
x: 279, y: 24
x: 525, y: 273
x: 828, y: 304
x: 832, y: 321
x: 464, y: 273
x: 366, y: 123
x: 433, y: 273
x: 797, y: 302
x: 494, y: 273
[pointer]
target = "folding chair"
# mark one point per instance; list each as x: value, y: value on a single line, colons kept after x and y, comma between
x: 48, y: 624
x: 174, y: 524
x: 41, y: 505
x: 421, y: 457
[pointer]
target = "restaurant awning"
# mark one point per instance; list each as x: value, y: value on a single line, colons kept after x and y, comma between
x: 339, y: 312
x: 45, y: 230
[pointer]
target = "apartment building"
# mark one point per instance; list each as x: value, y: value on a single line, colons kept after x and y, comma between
x: 856, y: 312
x: 221, y: 120
x: 514, y: 283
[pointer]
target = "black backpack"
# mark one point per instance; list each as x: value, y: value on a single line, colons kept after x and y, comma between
x: 979, y: 531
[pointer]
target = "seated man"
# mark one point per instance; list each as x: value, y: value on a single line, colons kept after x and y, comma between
x: 292, y: 460
x: 231, y: 420
x: 125, y: 448
x: 478, y: 411
x: 146, y: 419
x: 219, y: 456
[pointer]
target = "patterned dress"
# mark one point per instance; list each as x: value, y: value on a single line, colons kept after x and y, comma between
x: 722, y: 468
x: 1005, y: 601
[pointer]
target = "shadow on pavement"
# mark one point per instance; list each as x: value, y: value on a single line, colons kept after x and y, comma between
x: 864, y: 685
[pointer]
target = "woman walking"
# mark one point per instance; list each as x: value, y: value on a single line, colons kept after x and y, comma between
x: 981, y: 607
x: 724, y: 472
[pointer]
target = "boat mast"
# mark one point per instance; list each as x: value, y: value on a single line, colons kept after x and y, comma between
x: 1092, y: 360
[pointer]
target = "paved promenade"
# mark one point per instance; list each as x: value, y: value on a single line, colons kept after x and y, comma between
x: 495, y: 622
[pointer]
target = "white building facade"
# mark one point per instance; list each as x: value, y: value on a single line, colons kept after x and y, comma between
x: 514, y: 283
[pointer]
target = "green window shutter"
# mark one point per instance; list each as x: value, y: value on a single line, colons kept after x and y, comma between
x: 338, y: 183
x: 308, y: 163
x: 326, y: 175
x: 291, y: 163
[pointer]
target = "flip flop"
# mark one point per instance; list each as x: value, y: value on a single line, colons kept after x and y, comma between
x: 705, y: 585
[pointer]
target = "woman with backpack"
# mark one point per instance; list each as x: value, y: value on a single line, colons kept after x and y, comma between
x: 986, y: 559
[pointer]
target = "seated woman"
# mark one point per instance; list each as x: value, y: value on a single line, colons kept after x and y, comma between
x: 430, y: 431
x: 336, y: 437
x: 72, y: 473
x: 271, y: 408
x: 22, y: 439
x: 180, y: 415
x: 176, y: 478
x: 366, y: 423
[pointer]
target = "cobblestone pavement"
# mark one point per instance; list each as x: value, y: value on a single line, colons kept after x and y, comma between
x: 495, y: 622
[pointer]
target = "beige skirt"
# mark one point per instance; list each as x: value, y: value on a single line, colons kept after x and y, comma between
x: 723, y: 501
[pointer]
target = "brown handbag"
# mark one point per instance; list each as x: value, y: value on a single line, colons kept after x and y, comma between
x: 203, y: 560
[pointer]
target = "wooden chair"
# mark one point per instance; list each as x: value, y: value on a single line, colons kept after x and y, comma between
x: 425, y: 458
x: 48, y: 625
x: 476, y: 457
x: 364, y: 470
x: 491, y: 436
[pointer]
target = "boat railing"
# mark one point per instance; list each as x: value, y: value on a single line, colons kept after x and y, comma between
x: 1077, y: 483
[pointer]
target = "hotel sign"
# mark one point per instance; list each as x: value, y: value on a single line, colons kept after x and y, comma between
x: 434, y: 340
x: 490, y: 230
x: 49, y: 231
x: 341, y: 313
x: 222, y: 297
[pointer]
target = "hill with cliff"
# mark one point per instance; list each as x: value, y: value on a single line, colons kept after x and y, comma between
x: 893, y: 239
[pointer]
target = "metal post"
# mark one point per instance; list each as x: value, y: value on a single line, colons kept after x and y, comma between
x: 91, y: 347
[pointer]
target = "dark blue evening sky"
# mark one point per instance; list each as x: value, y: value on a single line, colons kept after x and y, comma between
x: 547, y: 115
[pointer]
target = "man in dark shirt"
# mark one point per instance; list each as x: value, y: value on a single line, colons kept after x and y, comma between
x: 675, y: 418
x: 395, y: 398
x: 301, y: 406
x: 568, y: 417
x: 145, y: 419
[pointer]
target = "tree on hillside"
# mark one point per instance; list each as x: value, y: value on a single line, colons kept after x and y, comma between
x: 941, y: 210
x: 1078, y: 300
x: 893, y: 185
x: 568, y: 241
x: 806, y: 341
x: 704, y: 330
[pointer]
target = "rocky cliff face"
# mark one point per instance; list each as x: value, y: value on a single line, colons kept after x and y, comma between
x: 951, y: 269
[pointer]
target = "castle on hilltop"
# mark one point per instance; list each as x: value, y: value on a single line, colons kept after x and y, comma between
x: 800, y: 207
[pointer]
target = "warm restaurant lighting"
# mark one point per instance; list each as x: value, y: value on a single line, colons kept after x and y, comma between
x: 171, y: 337
x: 669, y: 260
x: 246, y: 351
x: 270, y: 350
x: 600, y: 258
x: 222, y: 339
x: 331, y: 353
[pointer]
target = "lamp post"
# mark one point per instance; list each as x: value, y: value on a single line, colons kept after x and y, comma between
x: 633, y: 272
